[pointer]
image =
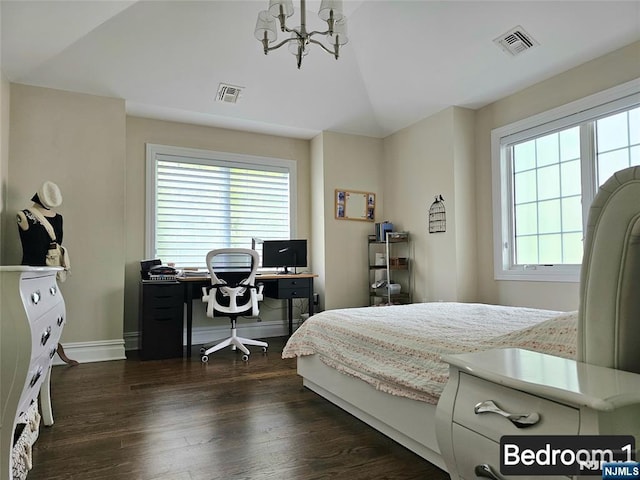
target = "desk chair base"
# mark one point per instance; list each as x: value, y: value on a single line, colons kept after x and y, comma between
x: 235, y: 342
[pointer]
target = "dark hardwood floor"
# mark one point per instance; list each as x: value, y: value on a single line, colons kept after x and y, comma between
x: 183, y: 420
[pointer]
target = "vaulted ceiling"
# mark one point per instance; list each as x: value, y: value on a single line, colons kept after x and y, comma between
x: 405, y: 59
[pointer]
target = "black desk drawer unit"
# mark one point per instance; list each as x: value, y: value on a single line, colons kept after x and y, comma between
x: 288, y: 288
x: 161, y: 313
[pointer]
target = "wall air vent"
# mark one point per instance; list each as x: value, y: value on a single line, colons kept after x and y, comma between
x: 515, y: 41
x: 228, y: 93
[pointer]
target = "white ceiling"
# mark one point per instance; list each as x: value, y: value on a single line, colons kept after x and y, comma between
x: 405, y: 60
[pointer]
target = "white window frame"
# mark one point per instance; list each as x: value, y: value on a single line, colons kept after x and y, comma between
x: 575, y: 113
x: 209, y: 157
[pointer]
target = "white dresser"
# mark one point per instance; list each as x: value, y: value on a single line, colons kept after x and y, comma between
x: 548, y: 395
x: 32, y: 315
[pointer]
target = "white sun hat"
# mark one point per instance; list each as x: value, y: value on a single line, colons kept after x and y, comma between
x: 49, y: 195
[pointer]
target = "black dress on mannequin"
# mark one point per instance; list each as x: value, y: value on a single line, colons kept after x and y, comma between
x: 35, y: 239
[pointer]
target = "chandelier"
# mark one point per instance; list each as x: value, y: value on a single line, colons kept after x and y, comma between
x: 300, y: 40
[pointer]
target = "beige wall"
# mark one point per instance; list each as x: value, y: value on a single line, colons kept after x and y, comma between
x: 4, y: 165
x: 435, y: 157
x: 140, y: 131
x: 76, y: 141
x: 5, y: 93
x: 354, y: 163
x: 610, y: 70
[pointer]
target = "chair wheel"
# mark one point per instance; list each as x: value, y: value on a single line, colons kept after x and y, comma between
x: 245, y: 358
x: 204, y: 358
x: 202, y: 350
x: 264, y: 349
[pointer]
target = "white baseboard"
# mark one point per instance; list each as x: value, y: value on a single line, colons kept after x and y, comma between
x: 201, y: 335
x: 98, y: 351
x: 105, y: 350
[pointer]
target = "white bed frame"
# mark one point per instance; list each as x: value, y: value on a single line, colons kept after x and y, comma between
x: 411, y: 423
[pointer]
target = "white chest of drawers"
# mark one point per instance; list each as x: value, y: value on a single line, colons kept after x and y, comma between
x: 32, y: 315
x: 565, y: 397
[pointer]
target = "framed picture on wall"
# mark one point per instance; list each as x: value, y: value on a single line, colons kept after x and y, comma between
x: 355, y: 205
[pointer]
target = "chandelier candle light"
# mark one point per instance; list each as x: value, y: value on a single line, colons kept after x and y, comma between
x: 300, y: 39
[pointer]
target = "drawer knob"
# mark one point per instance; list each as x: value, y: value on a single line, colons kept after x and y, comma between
x: 45, y: 336
x: 35, y: 377
x: 53, y: 290
x: 60, y: 320
x: 485, y: 471
x: 520, y: 420
x: 35, y: 297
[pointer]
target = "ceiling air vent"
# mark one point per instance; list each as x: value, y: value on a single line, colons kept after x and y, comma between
x: 515, y: 41
x: 228, y: 93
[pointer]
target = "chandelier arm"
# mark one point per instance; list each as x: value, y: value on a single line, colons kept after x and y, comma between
x: 281, y: 44
x: 293, y: 30
x: 316, y: 32
x: 332, y: 52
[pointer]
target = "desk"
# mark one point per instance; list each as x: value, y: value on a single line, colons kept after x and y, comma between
x: 279, y: 286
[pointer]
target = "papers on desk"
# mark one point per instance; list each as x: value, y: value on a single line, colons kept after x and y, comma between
x: 194, y: 273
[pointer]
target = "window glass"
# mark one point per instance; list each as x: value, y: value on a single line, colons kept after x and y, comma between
x: 524, y: 156
x: 549, y: 216
x: 572, y: 214
x: 634, y: 126
x: 527, y: 249
x: 550, y: 249
x: 612, y: 132
x: 635, y: 156
x: 570, y: 178
x: 547, y: 150
x: 549, y: 182
x: 525, y: 187
x: 570, y: 144
x: 609, y: 163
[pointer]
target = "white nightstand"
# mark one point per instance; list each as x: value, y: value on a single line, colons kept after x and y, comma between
x: 568, y: 398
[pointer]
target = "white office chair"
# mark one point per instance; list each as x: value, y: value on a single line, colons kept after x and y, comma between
x: 233, y: 292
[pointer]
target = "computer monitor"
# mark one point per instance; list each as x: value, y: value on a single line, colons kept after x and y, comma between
x: 284, y: 254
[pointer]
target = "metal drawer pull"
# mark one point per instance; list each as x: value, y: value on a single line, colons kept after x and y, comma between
x: 520, y: 420
x: 35, y: 377
x: 53, y: 352
x: 35, y: 297
x: 484, y: 470
x: 60, y: 320
x: 53, y: 290
x: 45, y: 336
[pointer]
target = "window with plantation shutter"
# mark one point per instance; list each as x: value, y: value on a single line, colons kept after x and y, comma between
x: 200, y: 200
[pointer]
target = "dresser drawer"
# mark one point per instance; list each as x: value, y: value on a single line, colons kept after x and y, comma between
x: 46, y: 330
x: 35, y: 377
x: 555, y: 418
x: 471, y: 450
x: 39, y: 295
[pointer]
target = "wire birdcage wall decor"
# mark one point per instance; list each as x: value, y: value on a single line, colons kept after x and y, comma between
x: 437, y: 216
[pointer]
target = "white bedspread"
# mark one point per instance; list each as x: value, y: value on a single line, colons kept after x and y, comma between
x: 397, y: 349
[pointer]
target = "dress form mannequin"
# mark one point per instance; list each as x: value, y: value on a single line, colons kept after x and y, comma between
x: 34, y: 237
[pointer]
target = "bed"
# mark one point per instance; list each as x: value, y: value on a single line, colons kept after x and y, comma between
x: 399, y: 401
x: 382, y: 364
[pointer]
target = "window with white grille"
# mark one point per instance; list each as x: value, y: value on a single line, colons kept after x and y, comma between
x: 200, y: 200
x: 547, y: 170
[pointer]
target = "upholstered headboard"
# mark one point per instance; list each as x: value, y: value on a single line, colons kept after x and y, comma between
x: 609, y: 312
